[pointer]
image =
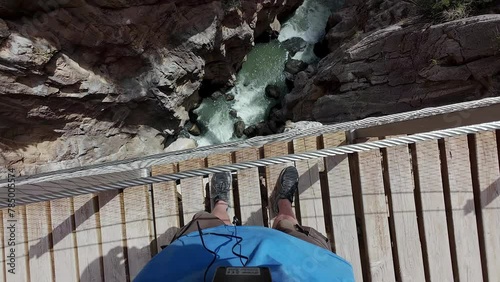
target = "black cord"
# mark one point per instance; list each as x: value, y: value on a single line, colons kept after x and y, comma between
x: 238, y: 241
x: 210, y: 251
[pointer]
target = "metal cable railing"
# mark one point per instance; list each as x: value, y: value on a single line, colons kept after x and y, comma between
x: 53, y: 193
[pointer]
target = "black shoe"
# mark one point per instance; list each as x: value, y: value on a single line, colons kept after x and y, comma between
x: 288, y: 182
x: 220, y: 187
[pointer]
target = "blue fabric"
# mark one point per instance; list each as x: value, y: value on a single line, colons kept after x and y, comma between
x: 289, y: 258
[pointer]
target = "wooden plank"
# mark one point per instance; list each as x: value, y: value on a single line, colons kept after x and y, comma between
x: 88, y: 238
x: 138, y: 225
x: 249, y: 189
x: 112, y: 235
x: 65, y: 263
x: 376, y: 231
x: 461, y: 196
x: 37, y: 218
x: 342, y: 204
x: 166, y: 206
x: 273, y: 172
x: 222, y: 159
x: 21, y: 271
x: 402, y: 187
x: 489, y: 187
x: 192, y: 190
x: 310, y: 199
x: 433, y: 211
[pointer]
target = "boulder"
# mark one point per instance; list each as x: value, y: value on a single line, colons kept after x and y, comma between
x: 239, y: 128
x: 229, y: 97
x: 250, y: 131
x: 273, y: 92
x: 294, y: 45
x: 276, y: 115
x: 193, y: 128
x: 181, y: 144
x: 293, y: 66
x: 263, y: 129
x: 216, y: 95
x: 233, y: 113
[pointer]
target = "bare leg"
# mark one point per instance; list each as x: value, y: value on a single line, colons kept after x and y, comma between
x: 285, y: 213
x: 220, y: 211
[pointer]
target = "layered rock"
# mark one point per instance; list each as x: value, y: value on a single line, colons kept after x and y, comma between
x: 93, y: 81
x: 405, y: 66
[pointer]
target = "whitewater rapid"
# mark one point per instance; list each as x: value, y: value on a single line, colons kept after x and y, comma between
x: 264, y: 66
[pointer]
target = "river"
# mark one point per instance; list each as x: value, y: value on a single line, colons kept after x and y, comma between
x: 264, y: 66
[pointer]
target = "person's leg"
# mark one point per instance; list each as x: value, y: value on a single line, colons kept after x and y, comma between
x: 219, y: 194
x: 286, y: 221
x: 220, y: 211
x: 285, y: 212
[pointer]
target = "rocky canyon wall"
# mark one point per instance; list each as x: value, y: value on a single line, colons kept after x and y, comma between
x: 383, y: 58
x: 99, y: 80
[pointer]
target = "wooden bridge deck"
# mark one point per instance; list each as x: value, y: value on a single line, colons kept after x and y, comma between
x: 429, y: 211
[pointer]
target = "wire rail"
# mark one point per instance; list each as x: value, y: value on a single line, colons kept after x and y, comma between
x: 346, y: 149
x: 462, y: 112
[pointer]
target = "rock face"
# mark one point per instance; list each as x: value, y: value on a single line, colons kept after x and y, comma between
x: 361, y: 16
x: 402, y: 67
x: 101, y: 80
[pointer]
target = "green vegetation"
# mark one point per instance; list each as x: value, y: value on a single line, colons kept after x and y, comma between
x: 449, y: 10
x: 434, y: 62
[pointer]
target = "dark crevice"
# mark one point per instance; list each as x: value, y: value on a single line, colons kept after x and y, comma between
x: 264, y: 182
x: 448, y: 207
x: 418, y: 206
x: 360, y: 219
x: 476, y: 188
x: 392, y: 227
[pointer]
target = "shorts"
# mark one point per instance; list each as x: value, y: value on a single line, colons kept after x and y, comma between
x: 308, y: 234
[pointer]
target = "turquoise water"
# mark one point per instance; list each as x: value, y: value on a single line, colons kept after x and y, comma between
x: 264, y: 66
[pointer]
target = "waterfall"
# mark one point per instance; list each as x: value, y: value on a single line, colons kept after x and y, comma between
x: 264, y: 65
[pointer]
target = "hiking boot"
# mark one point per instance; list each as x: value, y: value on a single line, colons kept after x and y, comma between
x: 220, y: 185
x: 287, y: 185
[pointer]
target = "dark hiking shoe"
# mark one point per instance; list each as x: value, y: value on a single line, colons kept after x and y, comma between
x: 220, y: 186
x: 287, y: 185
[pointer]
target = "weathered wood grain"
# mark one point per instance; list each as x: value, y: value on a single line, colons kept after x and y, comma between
x: 249, y: 189
x: 88, y: 238
x: 112, y: 235
x: 166, y: 206
x: 463, y: 209
x: 376, y: 231
x: 489, y: 188
x: 342, y: 204
x: 402, y: 187
x: 434, y: 211
x: 311, y: 203
x: 138, y: 228
x: 192, y: 190
x: 37, y: 218
x: 63, y: 237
